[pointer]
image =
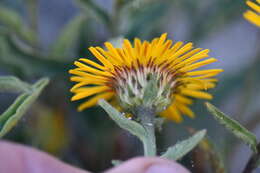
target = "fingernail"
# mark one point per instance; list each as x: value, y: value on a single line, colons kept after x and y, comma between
x: 166, y: 168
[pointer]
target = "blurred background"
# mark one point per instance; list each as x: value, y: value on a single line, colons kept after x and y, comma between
x: 42, y: 38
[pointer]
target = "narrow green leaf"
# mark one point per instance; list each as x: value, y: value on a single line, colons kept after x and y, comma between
x: 234, y: 127
x: 14, y: 113
x: 182, y: 148
x: 131, y: 126
x: 67, y: 40
x: 13, y: 84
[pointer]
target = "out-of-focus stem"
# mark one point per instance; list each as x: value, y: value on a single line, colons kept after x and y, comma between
x: 253, y: 161
x: 32, y: 7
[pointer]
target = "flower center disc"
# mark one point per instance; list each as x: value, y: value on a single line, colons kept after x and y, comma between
x: 149, y: 86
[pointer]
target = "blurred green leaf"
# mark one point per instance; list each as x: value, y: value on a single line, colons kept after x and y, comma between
x: 14, y: 113
x: 182, y: 148
x: 146, y: 17
x: 218, y: 12
x: 92, y: 8
x: 14, y: 23
x: 23, y: 63
x: 234, y: 127
x: 13, y: 84
x: 131, y: 126
x: 67, y: 40
x: 9, y: 61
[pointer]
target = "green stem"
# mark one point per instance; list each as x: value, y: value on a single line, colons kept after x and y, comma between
x: 146, y: 116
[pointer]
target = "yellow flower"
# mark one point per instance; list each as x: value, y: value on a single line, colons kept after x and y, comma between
x: 125, y: 74
x: 253, y: 15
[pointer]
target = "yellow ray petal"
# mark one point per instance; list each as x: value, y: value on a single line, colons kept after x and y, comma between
x: 173, y: 114
x: 252, y: 17
x: 127, y: 61
x: 183, y: 57
x: 203, y: 72
x: 181, y: 51
x: 161, y: 50
x: 183, y: 99
x: 101, y: 58
x: 197, y: 94
x: 185, y: 110
x: 176, y: 46
x: 87, y: 80
x: 145, y: 52
x: 78, y: 85
x: 108, y: 56
x: 162, y: 38
x: 205, y: 76
x: 211, y: 80
x: 129, y: 49
x: 193, y: 59
x: 114, y: 54
x: 93, y: 101
x: 87, y: 75
x: 204, y: 86
x: 253, y: 6
x: 93, y: 63
x: 138, y: 45
x: 189, y: 80
x: 86, y: 68
x: 88, y: 91
x: 198, y: 64
x: 154, y: 41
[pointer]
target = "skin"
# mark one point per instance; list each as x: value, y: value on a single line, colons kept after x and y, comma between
x: 16, y: 158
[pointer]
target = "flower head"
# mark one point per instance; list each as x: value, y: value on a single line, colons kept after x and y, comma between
x: 157, y: 74
x: 253, y: 15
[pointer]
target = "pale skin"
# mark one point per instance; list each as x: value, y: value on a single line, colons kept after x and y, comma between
x: 15, y: 158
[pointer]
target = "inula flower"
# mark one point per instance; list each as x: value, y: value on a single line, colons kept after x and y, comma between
x: 253, y: 15
x: 159, y: 75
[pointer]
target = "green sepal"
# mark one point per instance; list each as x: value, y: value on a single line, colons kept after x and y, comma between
x: 151, y: 90
x: 180, y: 149
x: 234, y: 127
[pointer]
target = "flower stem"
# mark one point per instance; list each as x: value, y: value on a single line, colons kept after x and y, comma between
x: 253, y: 161
x: 147, y: 116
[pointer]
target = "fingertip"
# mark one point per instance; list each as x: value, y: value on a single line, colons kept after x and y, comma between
x: 149, y: 165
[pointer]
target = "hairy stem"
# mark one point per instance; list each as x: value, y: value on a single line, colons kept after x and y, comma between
x: 147, y: 116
